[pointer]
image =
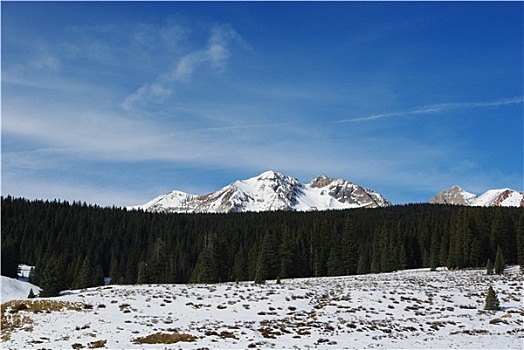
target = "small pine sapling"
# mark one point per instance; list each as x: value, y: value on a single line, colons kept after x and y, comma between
x: 492, y: 301
x: 31, y: 294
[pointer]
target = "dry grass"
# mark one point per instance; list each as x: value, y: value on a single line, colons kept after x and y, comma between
x: 14, y: 314
x: 97, y: 344
x: 164, y: 338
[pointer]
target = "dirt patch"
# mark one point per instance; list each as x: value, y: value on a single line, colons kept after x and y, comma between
x: 164, y: 338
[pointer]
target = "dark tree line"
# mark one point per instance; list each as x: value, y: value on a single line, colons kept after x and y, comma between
x: 82, y: 243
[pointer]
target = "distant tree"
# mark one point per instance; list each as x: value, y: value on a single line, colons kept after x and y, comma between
x: 500, y: 263
x: 206, y: 269
x: 142, y: 273
x: 350, y: 246
x: 268, y: 263
x: 287, y: 262
x: 98, y: 276
x: 31, y: 294
x: 492, y: 301
x: 489, y: 268
x: 115, y: 273
x: 259, y: 276
x: 520, y: 243
x: 10, y: 259
x: 363, y: 263
x: 34, y: 276
x: 85, y: 277
x: 52, y: 281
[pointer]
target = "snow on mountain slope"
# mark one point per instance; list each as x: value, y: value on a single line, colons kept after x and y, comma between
x: 268, y: 192
x: 499, y: 197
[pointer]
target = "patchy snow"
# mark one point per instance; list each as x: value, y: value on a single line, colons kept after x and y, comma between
x: 406, y: 309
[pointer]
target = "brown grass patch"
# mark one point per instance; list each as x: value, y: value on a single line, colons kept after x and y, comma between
x: 164, y: 338
x: 14, y: 313
x: 97, y: 344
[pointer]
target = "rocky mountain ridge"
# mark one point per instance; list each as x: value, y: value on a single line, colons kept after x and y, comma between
x: 504, y: 197
x: 270, y: 191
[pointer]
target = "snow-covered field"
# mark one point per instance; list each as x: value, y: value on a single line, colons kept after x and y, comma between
x: 17, y: 288
x: 407, y: 309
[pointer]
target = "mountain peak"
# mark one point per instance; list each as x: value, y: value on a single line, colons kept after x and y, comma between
x: 269, y: 175
x: 321, y: 181
x: 498, y: 197
x: 271, y: 191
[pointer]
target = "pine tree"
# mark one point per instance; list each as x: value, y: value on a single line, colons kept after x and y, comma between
x: 286, y: 255
x: 500, y: 263
x: 10, y: 258
x: 335, y: 266
x: 259, y: 276
x: 31, y: 294
x: 142, y: 273
x: 492, y: 301
x: 520, y: 243
x: 34, y: 276
x: 52, y: 281
x: 489, y: 267
x: 267, y: 266
x: 114, y: 272
x: 350, y: 244
x: 85, y: 276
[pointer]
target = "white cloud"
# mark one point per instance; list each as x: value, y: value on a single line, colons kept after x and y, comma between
x: 437, y: 108
x: 215, y: 55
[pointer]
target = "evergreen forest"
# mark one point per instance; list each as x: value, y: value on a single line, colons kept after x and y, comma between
x: 77, y: 245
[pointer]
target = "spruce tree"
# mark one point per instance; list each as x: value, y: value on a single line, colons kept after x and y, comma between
x: 520, y: 242
x: 489, y: 268
x: 492, y: 301
x: 500, y: 263
x: 142, y: 273
x: 34, y: 276
x: 85, y: 276
x: 52, y: 281
x: 335, y: 266
x: 31, y: 294
x: 259, y: 276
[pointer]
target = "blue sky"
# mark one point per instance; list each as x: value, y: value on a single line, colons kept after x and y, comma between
x: 114, y: 103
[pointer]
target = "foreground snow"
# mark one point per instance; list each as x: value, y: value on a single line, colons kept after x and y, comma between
x: 407, y: 309
x: 13, y: 289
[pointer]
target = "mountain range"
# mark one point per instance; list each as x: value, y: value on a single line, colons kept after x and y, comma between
x: 270, y: 191
x: 504, y: 197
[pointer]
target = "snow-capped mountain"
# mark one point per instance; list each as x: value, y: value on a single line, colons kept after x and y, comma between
x: 492, y: 198
x: 270, y: 191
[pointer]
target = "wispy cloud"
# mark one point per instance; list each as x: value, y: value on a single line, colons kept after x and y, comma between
x: 437, y: 108
x: 215, y: 55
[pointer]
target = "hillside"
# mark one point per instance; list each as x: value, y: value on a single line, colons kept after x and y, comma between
x: 408, y: 309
